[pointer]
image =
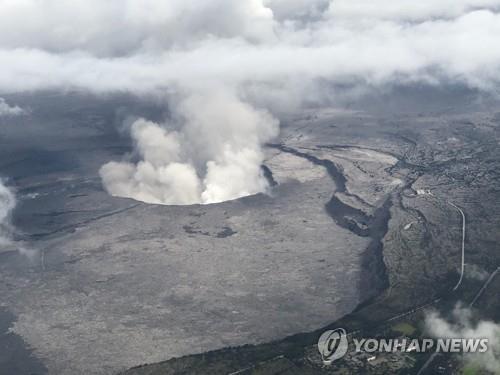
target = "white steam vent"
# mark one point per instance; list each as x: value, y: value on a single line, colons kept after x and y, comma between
x: 215, y: 156
x: 7, y: 204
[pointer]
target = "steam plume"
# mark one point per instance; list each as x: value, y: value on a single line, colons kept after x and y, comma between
x: 215, y: 156
x: 7, y: 204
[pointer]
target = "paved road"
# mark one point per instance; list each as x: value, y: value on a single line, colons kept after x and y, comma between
x: 492, y: 276
x: 434, y: 355
x: 463, y: 244
x: 414, y: 310
x: 462, y: 268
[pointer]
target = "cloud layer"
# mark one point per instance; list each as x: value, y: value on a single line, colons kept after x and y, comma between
x: 273, y: 54
x: 149, y: 45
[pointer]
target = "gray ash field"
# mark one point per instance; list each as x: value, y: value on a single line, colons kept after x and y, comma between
x: 357, y: 228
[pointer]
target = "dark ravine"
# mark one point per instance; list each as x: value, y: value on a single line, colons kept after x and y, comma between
x: 268, y: 174
x: 15, y: 356
x: 335, y: 173
x: 345, y: 216
x: 331, y: 168
x: 373, y: 259
x: 72, y: 227
x: 374, y: 226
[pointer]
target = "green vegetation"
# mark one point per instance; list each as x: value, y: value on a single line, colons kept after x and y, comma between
x: 471, y: 369
x: 404, y: 328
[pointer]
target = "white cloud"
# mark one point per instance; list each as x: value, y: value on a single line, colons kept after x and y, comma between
x: 124, y: 27
x: 7, y: 110
x: 7, y: 242
x: 297, y: 10
x: 337, y: 49
x: 462, y: 325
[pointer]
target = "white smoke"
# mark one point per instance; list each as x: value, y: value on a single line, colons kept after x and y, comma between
x: 7, y: 242
x: 7, y: 110
x: 476, y: 272
x: 462, y: 325
x: 215, y: 156
x: 7, y: 204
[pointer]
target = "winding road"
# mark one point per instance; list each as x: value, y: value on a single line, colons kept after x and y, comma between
x: 463, y: 244
x: 459, y: 282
